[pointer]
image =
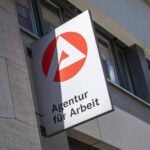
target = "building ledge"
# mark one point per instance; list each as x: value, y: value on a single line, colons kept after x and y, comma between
x: 128, y: 93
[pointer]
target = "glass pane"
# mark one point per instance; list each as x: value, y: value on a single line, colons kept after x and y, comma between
x: 107, y: 61
x: 51, y: 16
x: 124, y: 76
x: 66, y: 16
x: 25, y: 15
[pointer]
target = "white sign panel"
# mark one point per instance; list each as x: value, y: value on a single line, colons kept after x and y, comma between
x: 68, y: 74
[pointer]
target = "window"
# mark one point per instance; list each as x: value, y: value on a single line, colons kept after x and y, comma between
x: 26, y: 15
x: 66, y: 16
x: 107, y: 59
x: 38, y: 20
x: 114, y: 62
x: 51, y: 16
x: 123, y: 69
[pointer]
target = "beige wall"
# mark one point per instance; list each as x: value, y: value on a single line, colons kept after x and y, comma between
x: 18, y: 127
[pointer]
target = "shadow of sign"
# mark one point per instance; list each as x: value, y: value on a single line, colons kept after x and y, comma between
x: 44, y: 65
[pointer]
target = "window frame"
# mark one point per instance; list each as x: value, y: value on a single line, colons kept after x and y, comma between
x: 49, y: 4
x: 46, y: 4
x: 101, y: 38
x: 128, y: 84
x: 31, y: 16
x: 113, y: 43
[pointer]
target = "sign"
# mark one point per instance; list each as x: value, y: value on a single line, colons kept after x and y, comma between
x: 68, y: 75
x: 72, y: 51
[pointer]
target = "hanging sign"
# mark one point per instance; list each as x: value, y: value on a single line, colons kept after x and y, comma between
x: 69, y: 79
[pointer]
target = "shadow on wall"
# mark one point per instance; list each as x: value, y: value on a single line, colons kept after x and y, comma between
x: 46, y: 90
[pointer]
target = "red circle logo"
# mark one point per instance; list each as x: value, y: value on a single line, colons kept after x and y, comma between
x: 71, y: 51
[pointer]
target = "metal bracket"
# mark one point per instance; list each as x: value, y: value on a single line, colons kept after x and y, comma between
x: 43, y: 130
x: 39, y: 114
x: 29, y: 52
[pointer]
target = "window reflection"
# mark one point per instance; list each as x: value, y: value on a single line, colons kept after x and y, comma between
x: 124, y: 73
x: 51, y: 18
x: 107, y: 61
x: 26, y: 15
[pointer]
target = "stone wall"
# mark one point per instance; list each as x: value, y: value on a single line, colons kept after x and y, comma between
x: 18, y: 126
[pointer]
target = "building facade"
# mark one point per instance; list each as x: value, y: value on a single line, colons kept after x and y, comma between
x: 123, y: 37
